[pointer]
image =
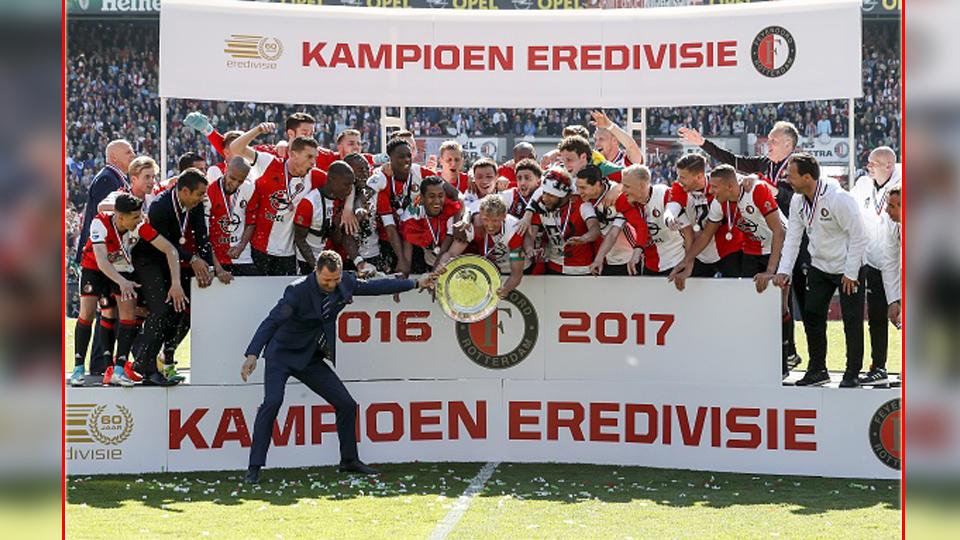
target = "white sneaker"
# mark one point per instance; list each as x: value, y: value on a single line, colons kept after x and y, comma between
x: 120, y: 379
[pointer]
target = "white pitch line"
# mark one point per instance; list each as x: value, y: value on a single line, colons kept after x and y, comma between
x: 463, y: 502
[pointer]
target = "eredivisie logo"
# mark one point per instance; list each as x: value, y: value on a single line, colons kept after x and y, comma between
x: 89, y: 423
x: 505, y: 338
x: 773, y: 51
x: 884, y: 433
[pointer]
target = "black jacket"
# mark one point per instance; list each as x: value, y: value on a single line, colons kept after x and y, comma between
x: 163, y: 218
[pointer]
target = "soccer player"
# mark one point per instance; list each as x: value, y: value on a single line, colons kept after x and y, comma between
x: 226, y: 207
x: 643, y: 205
x: 690, y: 198
x: 178, y: 216
x: 492, y: 234
x: 113, y: 176
x: 107, y: 272
x: 368, y: 260
x: 483, y: 182
x: 832, y: 221
x: 602, y: 194
x: 397, y: 189
x: 217, y: 170
x: 142, y: 174
x: 871, y: 192
x: 608, y: 139
x: 425, y: 227
x: 521, y: 151
x: 570, y: 224
x: 315, y: 228
x: 279, y: 187
x: 517, y: 198
x: 451, y: 165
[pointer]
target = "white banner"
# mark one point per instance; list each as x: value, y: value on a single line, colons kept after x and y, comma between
x: 772, y: 430
x: 828, y: 150
x: 769, y: 52
x: 718, y: 331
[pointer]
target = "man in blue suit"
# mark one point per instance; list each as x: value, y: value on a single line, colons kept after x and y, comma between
x: 299, y: 332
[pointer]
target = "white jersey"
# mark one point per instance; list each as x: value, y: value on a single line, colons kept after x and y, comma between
x: 315, y: 212
x: 666, y: 249
x: 607, y: 215
x: 834, y: 226
x: 872, y: 201
x: 749, y: 214
x: 694, y: 207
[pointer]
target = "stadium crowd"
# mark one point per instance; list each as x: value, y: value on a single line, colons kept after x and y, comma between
x: 263, y: 189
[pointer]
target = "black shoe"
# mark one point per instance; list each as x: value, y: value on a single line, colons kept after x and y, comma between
x: 849, y: 380
x: 793, y: 361
x: 874, y: 377
x: 356, y: 466
x: 814, y: 378
x: 156, y: 379
x: 253, y: 475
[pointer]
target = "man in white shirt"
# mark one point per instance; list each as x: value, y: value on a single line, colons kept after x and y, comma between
x: 871, y: 192
x: 892, y: 241
x: 831, y: 219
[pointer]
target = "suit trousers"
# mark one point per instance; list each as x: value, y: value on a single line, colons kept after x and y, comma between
x: 320, y: 378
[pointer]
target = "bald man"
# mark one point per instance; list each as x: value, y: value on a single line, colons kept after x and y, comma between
x: 871, y: 193
x: 521, y: 151
x: 113, y: 176
x: 226, y: 210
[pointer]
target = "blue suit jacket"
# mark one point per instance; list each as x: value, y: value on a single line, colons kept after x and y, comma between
x: 291, y: 332
x: 104, y: 183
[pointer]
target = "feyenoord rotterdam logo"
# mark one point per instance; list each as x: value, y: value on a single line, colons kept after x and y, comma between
x: 885, y: 433
x: 773, y: 51
x: 505, y: 338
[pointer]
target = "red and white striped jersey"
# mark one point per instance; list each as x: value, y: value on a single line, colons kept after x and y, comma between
x: 749, y: 215
x: 605, y: 209
x: 664, y: 249
x: 226, y: 215
x: 104, y: 231
x: 275, y: 198
x: 394, y: 196
x: 695, y: 206
x: 315, y: 212
x: 566, y: 222
x: 499, y: 247
x: 421, y: 230
x: 515, y: 202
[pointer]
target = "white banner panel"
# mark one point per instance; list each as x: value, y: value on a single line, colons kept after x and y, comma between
x: 803, y: 431
x: 110, y: 430
x: 716, y: 331
x: 610, y: 328
x: 211, y: 429
x: 248, y: 51
x: 777, y: 430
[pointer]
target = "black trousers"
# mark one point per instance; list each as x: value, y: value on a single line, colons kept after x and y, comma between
x: 876, y: 297
x: 757, y: 264
x: 615, y: 270
x: 820, y: 289
x: 729, y: 266
x: 163, y: 322
x: 238, y: 270
x: 320, y: 378
x: 271, y: 265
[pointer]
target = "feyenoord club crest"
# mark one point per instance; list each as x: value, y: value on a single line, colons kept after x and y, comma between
x: 503, y: 339
x: 773, y: 51
x: 884, y: 433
